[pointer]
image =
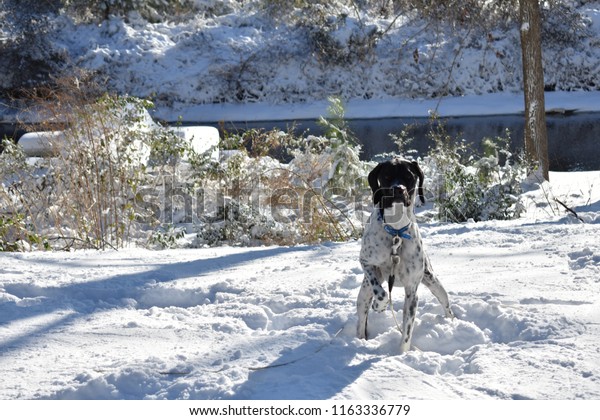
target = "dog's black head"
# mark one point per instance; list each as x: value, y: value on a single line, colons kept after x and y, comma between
x: 395, y: 181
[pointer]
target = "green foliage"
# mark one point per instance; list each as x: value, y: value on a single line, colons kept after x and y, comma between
x: 259, y: 143
x: 166, y: 237
x: 335, y: 125
x: 16, y: 235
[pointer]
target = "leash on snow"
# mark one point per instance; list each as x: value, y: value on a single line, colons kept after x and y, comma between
x: 299, y: 358
x: 306, y: 356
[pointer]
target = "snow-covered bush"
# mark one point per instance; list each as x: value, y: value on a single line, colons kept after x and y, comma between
x: 245, y: 224
x: 17, y: 232
x: 341, y: 40
x: 466, y: 185
x: 85, y: 192
x: 326, y: 177
x: 332, y: 160
x: 236, y: 196
x: 262, y: 200
x: 21, y: 201
x: 310, y: 196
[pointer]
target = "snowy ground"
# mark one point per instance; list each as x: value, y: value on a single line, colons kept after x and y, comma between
x: 279, y: 322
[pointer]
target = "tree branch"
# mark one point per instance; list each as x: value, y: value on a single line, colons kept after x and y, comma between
x: 570, y: 210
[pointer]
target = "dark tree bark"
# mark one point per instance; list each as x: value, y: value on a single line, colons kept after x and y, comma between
x: 536, y: 138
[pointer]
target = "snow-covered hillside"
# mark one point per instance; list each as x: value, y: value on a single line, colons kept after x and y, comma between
x: 248, y: 54
x: 279, y: 322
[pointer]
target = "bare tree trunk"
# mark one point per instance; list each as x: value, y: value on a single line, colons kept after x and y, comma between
x: 536, y: 138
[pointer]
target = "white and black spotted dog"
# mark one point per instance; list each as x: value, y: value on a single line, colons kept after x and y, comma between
x: 392, y: 248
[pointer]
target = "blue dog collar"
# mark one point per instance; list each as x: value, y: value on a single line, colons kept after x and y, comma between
x: 397, y: 232
x: 394, y: 232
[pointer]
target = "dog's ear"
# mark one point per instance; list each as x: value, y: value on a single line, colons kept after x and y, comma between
x: 374, y: 183
x: 415, y: 166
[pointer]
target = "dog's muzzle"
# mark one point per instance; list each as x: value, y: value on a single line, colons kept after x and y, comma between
x: 396, y: 194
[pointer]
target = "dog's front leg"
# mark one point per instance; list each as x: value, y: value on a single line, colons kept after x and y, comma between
x: 371, y: 292
x: 376, y: 276
x: 363, y: 302
x: 408, y: 315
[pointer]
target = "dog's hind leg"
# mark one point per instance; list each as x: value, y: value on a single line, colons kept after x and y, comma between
x: 431, y: 281
x: 408, y: 316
